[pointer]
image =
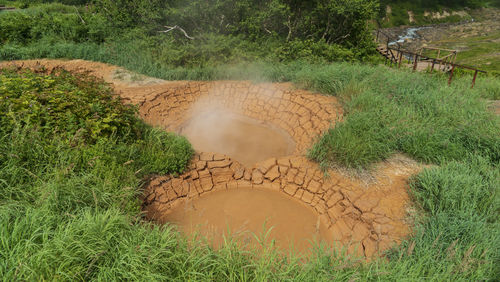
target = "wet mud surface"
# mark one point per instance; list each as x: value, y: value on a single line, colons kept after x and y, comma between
x: 250, y: 164
x: 244, y: 139
x: 250, y: 215
x: 367, y: 218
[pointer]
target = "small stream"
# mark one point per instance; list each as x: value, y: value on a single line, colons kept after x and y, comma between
x: 410, y: 33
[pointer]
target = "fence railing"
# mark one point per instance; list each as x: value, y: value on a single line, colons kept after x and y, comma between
x: 446, y: 63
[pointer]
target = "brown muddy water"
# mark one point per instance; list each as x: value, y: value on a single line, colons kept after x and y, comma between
x: 247, y: 214
x: 244, y: 139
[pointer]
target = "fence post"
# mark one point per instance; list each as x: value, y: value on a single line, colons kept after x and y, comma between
x: 474, y: 79
x: 433, y: 63
x: 415, y: 62
x: 400, y: 59
x: 451, y: 73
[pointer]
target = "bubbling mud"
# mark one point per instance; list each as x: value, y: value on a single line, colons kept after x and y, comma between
x: 244, y: 139
x: 246, y: 215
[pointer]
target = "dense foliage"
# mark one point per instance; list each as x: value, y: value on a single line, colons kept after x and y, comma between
x: 61, y: 103
x: 81, y: 111
x: 327, y: 30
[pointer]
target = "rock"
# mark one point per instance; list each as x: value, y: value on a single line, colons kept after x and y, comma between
x: 366, y: 203
x: 284, y: 162
x: 298, y: 194
x: 201, y: 165
x: 296, y: 162
x: 334, y: 199
x: 307, y: 196
x: 341, y: 229
x: 350, y: 195
x: 238, y: 174
x: 232, y: 184
x: 290, y: 189
x: 299, y: 178
x: 360, y: 232
x: 290, y: 177
x: 221, y: 175
x: 194, y: 174
x: 368, y: 217
x: 352, y: 211
x: 283, y: 170
x: 382, y: 228
x: 206, y: 180
x: 247, y: 175
x: 171, y: 195
x: 219, y: 157
x: 335, y: 212
x: 370, y: 247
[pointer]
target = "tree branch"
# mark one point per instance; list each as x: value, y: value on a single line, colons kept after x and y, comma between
x: 170, y: 28
x: 78, y: 13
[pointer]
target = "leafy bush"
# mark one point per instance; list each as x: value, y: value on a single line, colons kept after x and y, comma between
x: 54, y: 22
x: 273, y: 30
x: 15, y: 27
x: 78, y: 109
x: 62, y: 103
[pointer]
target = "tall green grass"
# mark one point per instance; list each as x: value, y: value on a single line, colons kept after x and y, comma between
x: 71, y: 211
x: 402, y: 111
x: 82, y: 222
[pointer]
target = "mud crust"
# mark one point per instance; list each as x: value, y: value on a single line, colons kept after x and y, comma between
x: 367, y: 218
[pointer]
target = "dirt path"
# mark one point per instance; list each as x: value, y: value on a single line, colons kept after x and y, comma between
x: 366, y: 217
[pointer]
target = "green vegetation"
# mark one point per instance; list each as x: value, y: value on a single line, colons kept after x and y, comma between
x: 392, y: 111
x: 480, y: 51
x: 73, y: 159
x: 54, y: 103
x: 422, y: 11
x: 274, y: 30
x: 70, y: 208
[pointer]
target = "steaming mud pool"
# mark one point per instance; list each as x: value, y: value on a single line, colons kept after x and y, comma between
x: 244, y: 139
x: 250, y: 173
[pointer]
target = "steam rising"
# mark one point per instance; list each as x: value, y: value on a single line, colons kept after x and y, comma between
x: 217, y: 124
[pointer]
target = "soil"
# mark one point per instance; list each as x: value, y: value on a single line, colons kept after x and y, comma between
x: 249, y: 177
x: 233, y: 214
x: 366, y: 217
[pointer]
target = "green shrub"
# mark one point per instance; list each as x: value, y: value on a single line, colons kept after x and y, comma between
x: 66, y: 104
x: 15, y: 27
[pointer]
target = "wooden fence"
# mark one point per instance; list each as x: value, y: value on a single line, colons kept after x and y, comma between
x: 397, y: 55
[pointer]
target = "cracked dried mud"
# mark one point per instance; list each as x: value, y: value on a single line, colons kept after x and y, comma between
x: 250, y: 168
